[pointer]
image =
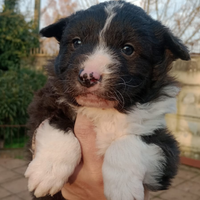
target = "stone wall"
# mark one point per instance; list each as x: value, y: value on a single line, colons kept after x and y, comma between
x: 185, y: 124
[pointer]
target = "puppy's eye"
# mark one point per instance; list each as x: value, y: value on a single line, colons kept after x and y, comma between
x: 128, y: 50
x: 76, y: 43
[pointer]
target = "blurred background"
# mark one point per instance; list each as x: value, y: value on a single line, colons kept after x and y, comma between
x: 23, y: 55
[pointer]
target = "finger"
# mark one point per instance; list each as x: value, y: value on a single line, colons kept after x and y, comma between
x: 84, y: 131
x: 146, y: 194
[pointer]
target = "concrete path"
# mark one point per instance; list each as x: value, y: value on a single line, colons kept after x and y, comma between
x: 13, y: 185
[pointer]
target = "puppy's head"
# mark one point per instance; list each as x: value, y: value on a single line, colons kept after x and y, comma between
x: 113, y: 55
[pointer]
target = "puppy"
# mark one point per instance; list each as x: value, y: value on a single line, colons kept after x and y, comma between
x: 113, y: 67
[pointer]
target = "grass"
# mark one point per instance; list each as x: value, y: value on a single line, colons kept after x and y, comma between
x: 16, y: 143
x: 20, y: 157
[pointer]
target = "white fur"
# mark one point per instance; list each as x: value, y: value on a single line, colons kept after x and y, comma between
x: 111, y: 14
x: 145, y: 118
x: 102, y: 57
x: 57, y: 154
x: 128, y: 161
x: 61, y: 100
x: 106, y: 26
x: 142, y: 119
x: 99, y: 60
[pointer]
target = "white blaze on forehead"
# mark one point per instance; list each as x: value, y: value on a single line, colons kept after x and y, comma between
x: 110, y: 15
x: 101, y: 58
x: 99, y: 61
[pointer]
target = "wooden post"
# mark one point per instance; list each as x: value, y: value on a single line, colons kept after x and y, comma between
x: 37, y: 15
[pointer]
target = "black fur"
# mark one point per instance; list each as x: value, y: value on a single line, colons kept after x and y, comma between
x: 146, y: 71
x: 155, y: 49
x: 57, y: 196
x: 164, y: 139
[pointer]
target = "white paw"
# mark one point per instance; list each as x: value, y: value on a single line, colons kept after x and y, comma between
x: 120, y: 185
x: 56, y: 156
x: 122, y: 175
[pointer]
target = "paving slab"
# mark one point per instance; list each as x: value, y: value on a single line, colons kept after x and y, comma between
x: 21, y: 170
x: 25, y: 195
x: 13, y: 197
x: 8, y: 175
x: 13, y: 185
x: 188, y: 168
x: 186, y: 174
x: 177, y: 181
x: 196, y: 179
x: 174, y: 194
x: 12, y: 163
x: 189, y: 187
x: 16, y: 186
x: 4, y: 193
x: 2, y: 169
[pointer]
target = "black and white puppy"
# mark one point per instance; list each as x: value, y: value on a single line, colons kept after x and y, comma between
x: 113, y: 67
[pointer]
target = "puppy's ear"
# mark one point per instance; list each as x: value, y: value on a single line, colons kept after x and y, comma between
x: 55, y: 30
x: 175, y: 45
x: 172, y: 43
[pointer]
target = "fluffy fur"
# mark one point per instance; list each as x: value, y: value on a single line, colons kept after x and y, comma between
x: 47, y: 174
x: 127, y: 102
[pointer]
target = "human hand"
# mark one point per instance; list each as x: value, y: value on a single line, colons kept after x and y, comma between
x: 87, y: 182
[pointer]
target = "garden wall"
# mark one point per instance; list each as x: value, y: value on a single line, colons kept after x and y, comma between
x: 185, y: 124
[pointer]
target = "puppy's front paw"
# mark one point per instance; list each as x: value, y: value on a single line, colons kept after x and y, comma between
x: 122, y: 174
x: 47, y: 177
x: 56, y: 156
x: 122, y: 186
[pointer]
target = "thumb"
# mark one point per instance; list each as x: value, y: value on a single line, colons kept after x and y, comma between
x: 84, y: 131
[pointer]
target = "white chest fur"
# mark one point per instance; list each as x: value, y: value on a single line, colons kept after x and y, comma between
x: 127, y: 159
x: 109, y: 125
x: 140, y: 120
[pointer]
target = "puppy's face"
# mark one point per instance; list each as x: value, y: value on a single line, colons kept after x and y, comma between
x: 113, y: 55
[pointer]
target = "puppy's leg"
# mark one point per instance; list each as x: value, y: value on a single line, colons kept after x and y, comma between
x: 57, y: 153
x: 125, y: 164
x: 160, y: 178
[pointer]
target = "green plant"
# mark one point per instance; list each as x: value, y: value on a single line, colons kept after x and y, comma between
x: 20, y: 157
x: 17, y: 88
x: 17, y: 36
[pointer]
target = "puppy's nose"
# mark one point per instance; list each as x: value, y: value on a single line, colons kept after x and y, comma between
x: 88, y: 78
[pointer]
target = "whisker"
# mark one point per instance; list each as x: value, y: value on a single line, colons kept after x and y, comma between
x: 110, y: 96
x: 123, y: 101
x: 117, y: 98
x: 125, y: 83
x: 120, y: 100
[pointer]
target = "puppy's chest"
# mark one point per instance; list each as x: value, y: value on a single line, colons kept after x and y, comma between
x: 109, y: 125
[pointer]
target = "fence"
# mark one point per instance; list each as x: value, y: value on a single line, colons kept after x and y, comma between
x: 13, y: 136
x: 43, y: 52
x: 39, y: 58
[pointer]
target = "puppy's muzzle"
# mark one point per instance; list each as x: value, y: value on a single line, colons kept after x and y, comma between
x: 89, y: 78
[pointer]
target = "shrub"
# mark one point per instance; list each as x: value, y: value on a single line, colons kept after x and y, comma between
x: 17, y: 88
x: 17, y: 36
